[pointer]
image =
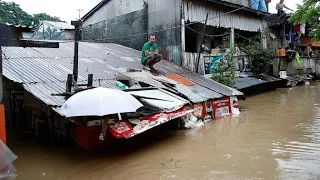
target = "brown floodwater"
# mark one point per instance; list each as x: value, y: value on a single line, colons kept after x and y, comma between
x: 277, y: 136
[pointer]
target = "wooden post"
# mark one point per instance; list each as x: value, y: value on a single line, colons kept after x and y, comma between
x: 2, y: 115
x: 232, y: 39
x: 77, y: 25
x: 183, y: 36
x: 199, y: 47
x: 2, y: 124
x: 1, y: 85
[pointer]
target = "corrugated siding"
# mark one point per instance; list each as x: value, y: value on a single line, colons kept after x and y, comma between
x: 196, y: 12
x: 163, y: 15
x: 44, y: 91
x: 113, y: 9
x: 239, y: 2
x: 189, y: 61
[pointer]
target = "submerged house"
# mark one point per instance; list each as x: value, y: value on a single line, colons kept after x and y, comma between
x: 177, y: 24
x: 35, y: 80
x: 52, y: 30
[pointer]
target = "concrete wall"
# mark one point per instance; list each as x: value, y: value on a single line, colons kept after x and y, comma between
x: 164, y: 21
x: 113, y: 9
x: 307, y: 66
x: 132, y: 20
x: 129, y: 29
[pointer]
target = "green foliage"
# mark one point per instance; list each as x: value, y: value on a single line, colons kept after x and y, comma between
x: 260, y: 57
x: 309, y: 12
x: 45, y: 17
x: 224, y: 72
x: 11, y: 13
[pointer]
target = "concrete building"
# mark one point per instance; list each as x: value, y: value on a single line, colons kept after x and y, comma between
x: 176, y: 23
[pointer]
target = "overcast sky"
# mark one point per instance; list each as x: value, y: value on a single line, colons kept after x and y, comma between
x: 289, y: 3
x: 67, y: 9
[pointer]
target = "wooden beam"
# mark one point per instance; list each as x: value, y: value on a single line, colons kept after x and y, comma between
x: 199, y: 47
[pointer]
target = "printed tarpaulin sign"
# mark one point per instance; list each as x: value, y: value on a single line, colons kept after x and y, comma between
x: 210, y: 63
x: 152, y: 121
x: 221, y: 108
x: 120, y: 129
x: 156, y: 117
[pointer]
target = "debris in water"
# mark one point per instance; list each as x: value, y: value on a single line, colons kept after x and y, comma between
x: 190, y: 121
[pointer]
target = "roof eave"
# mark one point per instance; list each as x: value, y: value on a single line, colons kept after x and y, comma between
x: 96, y: 8
x: 235, y: 6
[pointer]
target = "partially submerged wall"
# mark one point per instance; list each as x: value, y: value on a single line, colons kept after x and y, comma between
x: 292, y: 67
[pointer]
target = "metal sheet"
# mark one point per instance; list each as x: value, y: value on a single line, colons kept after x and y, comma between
x: 44, y: 71
x: 168, y: 103
x: 196, y: 12
x: 44, y: 91
x: 212, y: 85
x: 241, y: 83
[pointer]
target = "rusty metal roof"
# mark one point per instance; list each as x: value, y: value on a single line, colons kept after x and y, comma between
x: 180, y: 79
x: 44, y: 71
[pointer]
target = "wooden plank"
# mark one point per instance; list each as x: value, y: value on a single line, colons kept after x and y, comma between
x: 2, y: 124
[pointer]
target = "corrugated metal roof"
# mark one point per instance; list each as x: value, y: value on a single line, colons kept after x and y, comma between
x: 95, y: 9
x: 196, y: 12
x: 241, y: 83
x: 44, y: 91
x: 19, y: 26
x: 212, y: 85
x: 44, y: 71
x: 180, y: 79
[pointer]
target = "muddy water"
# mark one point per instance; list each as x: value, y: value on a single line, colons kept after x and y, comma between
x: 277, y: 136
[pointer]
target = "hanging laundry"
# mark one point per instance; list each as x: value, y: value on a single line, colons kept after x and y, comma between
x: 297, y: 28
x: 294, y: 38
x: 259, y: 5
x: 303, y: 28
x: 289, y: 32
x: 297, y: 58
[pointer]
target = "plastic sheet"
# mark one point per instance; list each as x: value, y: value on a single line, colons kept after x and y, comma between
x: 7, y: 171
x: 190, y: 121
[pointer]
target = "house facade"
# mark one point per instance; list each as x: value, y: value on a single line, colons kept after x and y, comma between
x: 51, y: 30
x: 177, y: 24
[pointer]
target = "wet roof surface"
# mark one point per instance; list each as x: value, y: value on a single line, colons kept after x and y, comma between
x: 44, y: 71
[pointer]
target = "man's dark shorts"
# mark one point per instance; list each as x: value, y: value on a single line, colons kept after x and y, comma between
x: 151, y: 58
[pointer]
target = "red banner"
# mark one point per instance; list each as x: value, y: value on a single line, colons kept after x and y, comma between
x: 120, y: 129
x: 221, y: 108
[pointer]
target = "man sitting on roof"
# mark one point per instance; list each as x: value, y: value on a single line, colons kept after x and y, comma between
x: 149, y: 54
x: 280, y: 7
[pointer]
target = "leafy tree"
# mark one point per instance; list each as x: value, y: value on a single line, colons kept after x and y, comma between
x: 309, y: 12
x: 11, y: 13
x: 224, y: 71
x: 45, y: 17
x: 260, y: 57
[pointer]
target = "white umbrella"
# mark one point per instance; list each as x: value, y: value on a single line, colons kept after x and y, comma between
x: 99, y: 102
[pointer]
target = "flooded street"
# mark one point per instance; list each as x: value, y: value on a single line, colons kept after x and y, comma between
x: 277, y: 136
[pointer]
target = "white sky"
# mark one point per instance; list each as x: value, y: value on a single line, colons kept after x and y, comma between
x: 67, y: 9
x: 289, y: 3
